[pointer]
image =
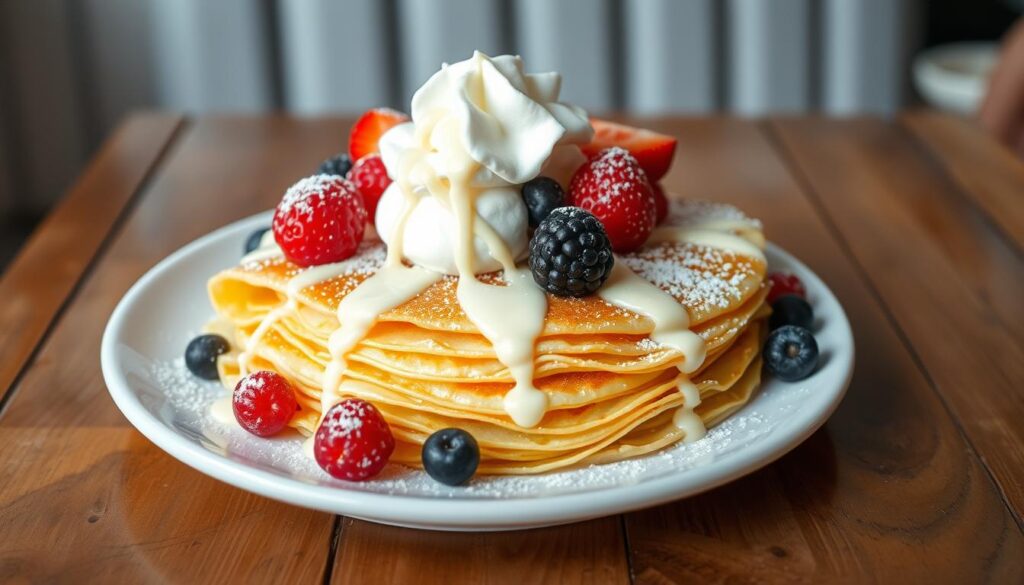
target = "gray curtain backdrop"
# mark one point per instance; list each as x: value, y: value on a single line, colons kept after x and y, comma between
x: 70, y: 69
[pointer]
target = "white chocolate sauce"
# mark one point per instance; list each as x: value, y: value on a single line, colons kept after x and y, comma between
x: 223, y: 411
x: 731, y: 237
x: 624, y: 288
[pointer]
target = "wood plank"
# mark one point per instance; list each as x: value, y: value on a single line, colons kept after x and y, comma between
x: 588, y: 552
x: 70, y: 456
x: 986, y: 171
x: 73, y: 233
x: 887, y: 491
x: 953, y: 287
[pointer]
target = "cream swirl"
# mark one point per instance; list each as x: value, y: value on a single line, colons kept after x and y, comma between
x: 510, y: 123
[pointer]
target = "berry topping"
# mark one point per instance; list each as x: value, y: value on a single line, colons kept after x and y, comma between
x: 354, y: 441
x: 339, y: 164
x: 791, y: 353
x: 264, y: 402
x: 791, y: 310
x: 201, y: 355
x: 451, y: 456
x: 570, y: 255
x: 784, y: 283
x: 542, y: 196
x: 369, y: 128
x: 253, y: 241
x: 370, y: 178
x: 320, y: 220
x: 660, y: 203
x: 614, y: 188
x: 653, y: 151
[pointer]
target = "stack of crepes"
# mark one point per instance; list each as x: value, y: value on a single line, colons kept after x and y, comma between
x: 612, y: 390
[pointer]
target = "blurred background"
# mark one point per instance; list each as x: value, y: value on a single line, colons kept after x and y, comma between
x: 71, y: 69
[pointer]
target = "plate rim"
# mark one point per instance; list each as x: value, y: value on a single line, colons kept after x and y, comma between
x: 450, y: 513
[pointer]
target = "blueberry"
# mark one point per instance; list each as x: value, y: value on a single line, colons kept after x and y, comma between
x: 253, y: 241
x: 791, y: 310
x: 542, y: 196
x: 570, y: 255
x: 451, y: 456
x: 201, y: 355
x: 791, y: 353
x: 339, y: 164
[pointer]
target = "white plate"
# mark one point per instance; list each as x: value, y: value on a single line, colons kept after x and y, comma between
x: 165, y: 309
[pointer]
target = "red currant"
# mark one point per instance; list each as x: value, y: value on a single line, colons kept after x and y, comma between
x: 354, y: 442
x: 784, y: 283
x: 263, y: 403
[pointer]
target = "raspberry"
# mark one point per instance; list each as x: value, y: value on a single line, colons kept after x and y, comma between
x: 354, y: 441
x: 263, y: 403
x: 570, y: 255
x: 613, y: 187
x: 784, y: 283
x: 371, y: 179
x: 320, y: 220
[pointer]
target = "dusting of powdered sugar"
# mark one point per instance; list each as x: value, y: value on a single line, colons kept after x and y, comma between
x: 310, y: 191
x: 701, y: 277
x: 695, y: 211
x: 184, y: 402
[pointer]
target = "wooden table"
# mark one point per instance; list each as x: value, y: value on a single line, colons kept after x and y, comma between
x: 917, y: 224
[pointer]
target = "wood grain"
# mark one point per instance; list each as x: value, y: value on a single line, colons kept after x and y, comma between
x: 952, y: 287
x: 588, y: 552
x: 71, y: 456
x: 887, y: 491
x: 890, y: 489
x: 985, y: 170
x: 70, y: 236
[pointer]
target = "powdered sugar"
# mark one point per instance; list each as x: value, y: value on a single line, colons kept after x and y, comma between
x: 693, y: 211
x: 700, y: 277
x: 187, y: 405
x: 310, y: 191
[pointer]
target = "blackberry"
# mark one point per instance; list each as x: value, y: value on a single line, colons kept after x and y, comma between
x: 339, y: 164
x: 570, y: 255
x: 542, y: 196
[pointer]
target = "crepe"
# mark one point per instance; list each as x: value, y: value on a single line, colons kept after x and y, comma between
x: 612, y: 391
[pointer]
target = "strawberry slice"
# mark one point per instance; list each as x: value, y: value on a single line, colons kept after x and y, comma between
x: 369, y: 128
x: 652, y: 150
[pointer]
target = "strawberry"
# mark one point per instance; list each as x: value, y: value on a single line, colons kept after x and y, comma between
x: 660, y: 202
x: 369, y: 128
x: 652, y: 150
x: 371, y: 179
x: 613, y: 187
x: 320, y: 220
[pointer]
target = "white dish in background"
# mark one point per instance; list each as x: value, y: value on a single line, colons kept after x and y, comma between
x: 148, y: 332
x: 955, y: 77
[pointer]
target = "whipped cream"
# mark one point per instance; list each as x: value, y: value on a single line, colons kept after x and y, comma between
x: 509, y: 123
x: 430, y: 229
